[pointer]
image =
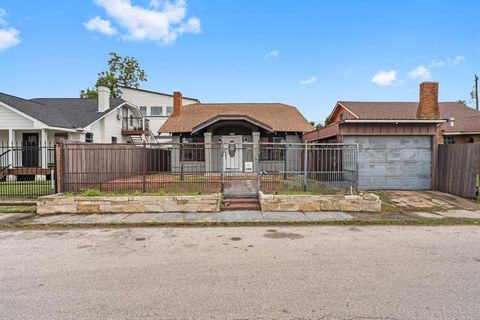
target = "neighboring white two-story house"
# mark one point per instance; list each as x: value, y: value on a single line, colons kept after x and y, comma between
x: 34, y: 124
x: 155, y: 106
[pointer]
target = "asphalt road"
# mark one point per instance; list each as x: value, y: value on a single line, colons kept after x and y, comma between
x: 315, y: 272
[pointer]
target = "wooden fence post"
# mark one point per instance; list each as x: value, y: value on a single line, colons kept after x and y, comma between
x: 58, y: 168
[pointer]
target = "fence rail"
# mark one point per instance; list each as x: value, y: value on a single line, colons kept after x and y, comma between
x: 232, y: 167
x: 27, y: 170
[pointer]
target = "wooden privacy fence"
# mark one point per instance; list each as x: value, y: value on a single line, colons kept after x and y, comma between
x: 81, y: 166
x: 458, y: 166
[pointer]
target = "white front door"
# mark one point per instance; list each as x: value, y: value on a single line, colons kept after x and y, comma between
x: 232, y: 155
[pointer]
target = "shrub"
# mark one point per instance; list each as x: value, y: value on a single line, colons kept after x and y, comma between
x: 92, y: 193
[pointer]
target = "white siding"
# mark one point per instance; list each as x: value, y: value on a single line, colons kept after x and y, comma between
x: 12, y: 120
x: 96, y: 129
x: 113, y: 128
x: 149, y: 99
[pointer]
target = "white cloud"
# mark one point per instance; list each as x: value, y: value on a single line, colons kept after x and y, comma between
x: 155, y: 4
x: 436, y: 63
x: 456, y: 60
x: 421, y: 72
x: 385, y: 78
x: 451, y: 61
x: 100, y: 25
x: 9, y: 37
x: 271, y: 54
x: 310, y: 80
x: 162, y: 22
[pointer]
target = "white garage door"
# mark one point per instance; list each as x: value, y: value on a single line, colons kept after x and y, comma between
x: 394, y: 162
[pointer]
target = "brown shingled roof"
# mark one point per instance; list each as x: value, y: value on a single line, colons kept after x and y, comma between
x: 466, y: 119
x: 278, y: 116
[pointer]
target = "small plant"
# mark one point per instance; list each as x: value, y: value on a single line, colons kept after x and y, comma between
x: 92, y: 193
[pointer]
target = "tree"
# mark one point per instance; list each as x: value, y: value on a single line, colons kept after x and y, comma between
x: 317, y: 125
x: 122, y: 71
x: 461, y: 101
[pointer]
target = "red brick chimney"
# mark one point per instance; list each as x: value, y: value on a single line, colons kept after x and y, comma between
x: 177, y: 103
x: 428, y: 105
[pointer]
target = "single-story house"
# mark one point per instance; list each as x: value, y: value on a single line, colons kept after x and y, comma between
x: 156, y: 107
x: 397, y: 140
x: 40, y: 122
x: 236, y: 125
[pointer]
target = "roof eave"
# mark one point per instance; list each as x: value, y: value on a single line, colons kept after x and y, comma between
x: 394, y: 121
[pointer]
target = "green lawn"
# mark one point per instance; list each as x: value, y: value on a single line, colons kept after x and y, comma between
x: 18, y: 209
x: 24, y: 189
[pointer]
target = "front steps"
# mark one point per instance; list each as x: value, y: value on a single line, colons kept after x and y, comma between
x: 241, y: 204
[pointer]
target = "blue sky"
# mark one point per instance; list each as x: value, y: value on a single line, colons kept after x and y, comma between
x: 305, y: 53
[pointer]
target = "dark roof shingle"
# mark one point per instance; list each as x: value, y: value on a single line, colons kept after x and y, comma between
x: 60, y: 112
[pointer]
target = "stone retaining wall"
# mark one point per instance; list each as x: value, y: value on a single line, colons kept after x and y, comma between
x: 59, y: 203
x: 367, y: 202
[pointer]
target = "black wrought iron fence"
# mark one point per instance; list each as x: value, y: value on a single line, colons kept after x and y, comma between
x: 27, y: 170
x: 232, y: 167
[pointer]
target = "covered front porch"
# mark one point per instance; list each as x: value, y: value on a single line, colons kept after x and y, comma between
x: 28, y: 152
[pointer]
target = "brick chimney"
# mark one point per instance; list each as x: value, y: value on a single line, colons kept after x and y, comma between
x: 177, y: 103
x: 428, y: 105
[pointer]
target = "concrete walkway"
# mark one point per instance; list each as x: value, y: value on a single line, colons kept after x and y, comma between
x: 175, y: 217
x: 225, y: 217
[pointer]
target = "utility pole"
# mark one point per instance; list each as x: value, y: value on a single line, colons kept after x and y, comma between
x: 476, y: 92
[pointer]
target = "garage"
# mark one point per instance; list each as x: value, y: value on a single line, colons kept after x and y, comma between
x: 394, y: 162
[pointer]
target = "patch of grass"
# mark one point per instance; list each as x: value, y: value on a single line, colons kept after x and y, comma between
x: 385, y: 198
x: 159, y: 192
x: 25, y: 189
x: 18, y: 209
x: 385, y: 222
x: 91, y: 193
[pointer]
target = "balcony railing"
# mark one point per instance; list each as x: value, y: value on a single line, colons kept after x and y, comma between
x: 135, y: 125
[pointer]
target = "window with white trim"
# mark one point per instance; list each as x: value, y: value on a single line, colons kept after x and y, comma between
x: 156, y: 110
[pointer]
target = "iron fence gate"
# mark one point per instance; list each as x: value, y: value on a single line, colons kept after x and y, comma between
x: 232, y: 166
x: 27, y: 169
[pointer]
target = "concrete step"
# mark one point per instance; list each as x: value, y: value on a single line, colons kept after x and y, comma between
x: 236, y: 204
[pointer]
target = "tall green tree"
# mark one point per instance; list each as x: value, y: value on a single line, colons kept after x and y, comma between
x: 122, y: 71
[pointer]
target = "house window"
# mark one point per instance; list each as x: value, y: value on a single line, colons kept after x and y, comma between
x: 448, y: 140
x: 156, y: 111
x: 114, y: 140
x: 89, y: 137
x: 271, y: 149
x: 143, y: 110
x: 169, y: 110
x: 193, y: 149
x: 60, y: 137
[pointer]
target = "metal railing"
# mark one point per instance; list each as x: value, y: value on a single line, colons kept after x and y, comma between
x: 27, y: 170
x: 135, y: 124
x: 232, y: 167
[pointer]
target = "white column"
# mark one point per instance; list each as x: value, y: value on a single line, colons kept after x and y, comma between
x: 43, y: 149
x: 43, y: 154
x: 11, y: 142
x: 207, y: 136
